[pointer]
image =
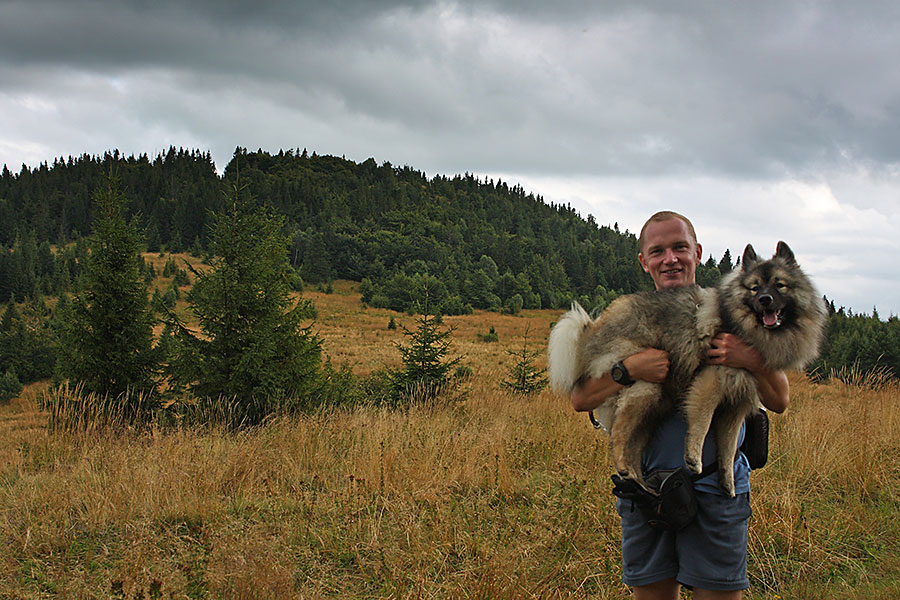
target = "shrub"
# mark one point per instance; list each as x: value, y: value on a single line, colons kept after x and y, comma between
x: 10, y: 386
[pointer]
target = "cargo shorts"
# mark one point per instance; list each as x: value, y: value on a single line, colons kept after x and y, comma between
x: 709, y: 553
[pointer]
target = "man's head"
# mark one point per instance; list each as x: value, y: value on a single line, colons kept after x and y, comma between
x: 669, y: 250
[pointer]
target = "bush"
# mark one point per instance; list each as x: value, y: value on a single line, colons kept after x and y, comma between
x: 490, y: 336
x: 514, y: 305
x: 10, y: 386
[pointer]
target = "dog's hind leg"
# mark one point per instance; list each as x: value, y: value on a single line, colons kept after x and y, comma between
x: 638, y: 407
x: 728, y: 427
x: 699, y: 406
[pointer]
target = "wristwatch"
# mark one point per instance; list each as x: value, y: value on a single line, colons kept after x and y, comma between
x: 620, y: 374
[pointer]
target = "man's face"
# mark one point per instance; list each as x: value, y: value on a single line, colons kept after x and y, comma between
x: 670, y: 254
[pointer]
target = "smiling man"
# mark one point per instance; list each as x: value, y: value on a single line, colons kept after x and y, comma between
x: 672, y: 254
x: 710, y: 554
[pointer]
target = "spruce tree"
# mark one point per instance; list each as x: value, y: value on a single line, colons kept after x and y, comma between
x: 10, y: 386
x: 524, y: 377
x: 106, y: 335
x: 426, y: 370
x: 253, y: 350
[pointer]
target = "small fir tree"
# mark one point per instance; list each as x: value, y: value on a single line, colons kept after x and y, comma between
x: 524, y: 377
x: 10, y: 386
x: 426, y: 369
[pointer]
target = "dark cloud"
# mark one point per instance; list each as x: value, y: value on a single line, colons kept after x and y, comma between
x: 705, y: 106
x: 581, y: 87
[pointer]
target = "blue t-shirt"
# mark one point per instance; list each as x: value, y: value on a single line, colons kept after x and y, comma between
x: 666, y: 451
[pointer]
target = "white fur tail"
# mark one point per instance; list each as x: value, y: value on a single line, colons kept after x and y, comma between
x: 564, y: 359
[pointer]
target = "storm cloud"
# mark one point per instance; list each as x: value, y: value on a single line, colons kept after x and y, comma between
x: 762, y: 121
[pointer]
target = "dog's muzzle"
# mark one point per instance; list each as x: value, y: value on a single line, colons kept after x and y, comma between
x: 771, y: 318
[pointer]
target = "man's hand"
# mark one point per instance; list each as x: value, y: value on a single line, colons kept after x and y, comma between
x: 648, y: 365
x: 729, y: 350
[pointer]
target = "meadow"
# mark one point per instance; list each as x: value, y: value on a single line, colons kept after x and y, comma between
x: 483, y: 494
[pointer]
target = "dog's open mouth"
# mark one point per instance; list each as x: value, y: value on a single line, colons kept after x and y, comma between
x: 771, y: 319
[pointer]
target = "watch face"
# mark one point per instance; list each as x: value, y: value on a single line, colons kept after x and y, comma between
x: 617, y: 374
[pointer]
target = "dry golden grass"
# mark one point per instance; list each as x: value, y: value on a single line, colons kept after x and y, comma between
x: 495, y: 496
x: 359, y: 335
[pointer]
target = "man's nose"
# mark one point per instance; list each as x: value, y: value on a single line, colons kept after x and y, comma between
x: 670, y: 256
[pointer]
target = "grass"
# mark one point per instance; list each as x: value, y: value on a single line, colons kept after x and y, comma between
x: 496, y: 496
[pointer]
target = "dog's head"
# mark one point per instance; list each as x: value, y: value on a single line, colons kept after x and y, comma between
x: 772, y: 286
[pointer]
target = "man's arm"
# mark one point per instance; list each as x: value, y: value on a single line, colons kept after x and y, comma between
x: 729, y: 350
x: 646, y: 365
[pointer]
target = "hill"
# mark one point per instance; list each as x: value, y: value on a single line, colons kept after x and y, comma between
x: 490, y: 245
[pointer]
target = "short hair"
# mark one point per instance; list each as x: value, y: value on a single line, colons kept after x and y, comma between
x: 666, y: 215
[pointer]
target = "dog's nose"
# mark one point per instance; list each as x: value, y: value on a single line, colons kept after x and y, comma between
x: 765, y: 299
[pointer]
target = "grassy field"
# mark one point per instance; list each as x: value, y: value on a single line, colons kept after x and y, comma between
x: 490, y: 496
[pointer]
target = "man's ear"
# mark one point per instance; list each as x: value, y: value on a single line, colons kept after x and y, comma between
x: 643, y: 264
x: 699, y: 253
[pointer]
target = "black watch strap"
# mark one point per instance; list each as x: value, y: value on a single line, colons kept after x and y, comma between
x: 620, y: 374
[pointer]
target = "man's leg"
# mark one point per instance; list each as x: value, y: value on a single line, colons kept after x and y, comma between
x: 716, y: 595
x: 667, y: 589
x: 713, y: 548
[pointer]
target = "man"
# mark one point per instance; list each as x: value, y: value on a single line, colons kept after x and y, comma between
x: 710, y: 554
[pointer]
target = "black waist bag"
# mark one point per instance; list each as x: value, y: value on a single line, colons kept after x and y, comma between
x: 756, y: 438
x: 672, y: 508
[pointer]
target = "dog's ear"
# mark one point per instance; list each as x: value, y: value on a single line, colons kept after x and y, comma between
x: 749, y: 259
x: 784, y: 252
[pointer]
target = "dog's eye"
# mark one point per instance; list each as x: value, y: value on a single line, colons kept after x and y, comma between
x: 754, y: 288
x: 780, y: 286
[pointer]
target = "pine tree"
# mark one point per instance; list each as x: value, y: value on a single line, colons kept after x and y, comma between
x: 10, y: 386
x: 253, y: 349
x: 524, y: 377
x: 426, y: 370
x: 106, y: 336
x: 725, y: 265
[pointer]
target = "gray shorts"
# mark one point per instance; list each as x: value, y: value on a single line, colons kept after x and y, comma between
x: 710, y: 553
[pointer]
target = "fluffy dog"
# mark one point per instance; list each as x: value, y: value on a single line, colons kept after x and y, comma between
x: 770, y: 304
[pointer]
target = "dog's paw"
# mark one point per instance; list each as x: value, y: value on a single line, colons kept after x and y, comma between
x: 726, y: 482
x: 694, y: 464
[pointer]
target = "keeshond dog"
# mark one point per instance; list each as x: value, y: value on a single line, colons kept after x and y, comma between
x: 770, y: 304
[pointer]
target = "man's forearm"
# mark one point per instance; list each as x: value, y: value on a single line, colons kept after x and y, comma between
x: 774, y: 389
x: 650, y: 364
x: 593, y: 391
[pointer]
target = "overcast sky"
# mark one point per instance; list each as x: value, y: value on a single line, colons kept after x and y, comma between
x: 762, y: 121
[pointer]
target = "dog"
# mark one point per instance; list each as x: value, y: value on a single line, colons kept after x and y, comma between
x: 770, y: 304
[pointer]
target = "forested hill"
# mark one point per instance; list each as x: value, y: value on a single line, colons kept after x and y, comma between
x: 478, y: 244
x: 484, y: 243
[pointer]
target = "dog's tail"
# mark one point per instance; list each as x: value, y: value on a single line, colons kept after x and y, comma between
x: 564, y: 360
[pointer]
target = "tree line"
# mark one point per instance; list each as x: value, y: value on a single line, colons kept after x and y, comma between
x: 472, y: 243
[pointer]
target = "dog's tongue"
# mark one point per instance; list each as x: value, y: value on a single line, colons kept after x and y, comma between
x: 770, y: 318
